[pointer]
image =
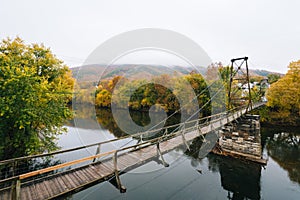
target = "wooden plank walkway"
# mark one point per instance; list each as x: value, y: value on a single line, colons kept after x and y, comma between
x: 80, y: 178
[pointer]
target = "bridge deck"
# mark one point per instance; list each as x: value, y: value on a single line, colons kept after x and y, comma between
x: 79, y: 178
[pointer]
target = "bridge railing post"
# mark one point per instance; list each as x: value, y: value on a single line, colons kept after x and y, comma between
x: 199, y: 129
x: 161, y: 156
x: 183, y: 137
x: 166, y: 131
x: 16, y: 189
x: 221, y: 121
x: 120, y: 186
x: 97, y: 151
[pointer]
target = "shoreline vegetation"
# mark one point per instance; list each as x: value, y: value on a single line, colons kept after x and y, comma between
x: 141, y: 95
x: 283, y: 96
x: 282, y: 105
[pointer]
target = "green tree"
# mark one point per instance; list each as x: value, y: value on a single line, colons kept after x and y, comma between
x: 272, y: 78
x: 35, y: 89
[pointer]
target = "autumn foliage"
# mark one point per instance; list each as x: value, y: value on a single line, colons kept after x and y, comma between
x: 35, y: 89
x: 147, y: 94
x: 284, y: 96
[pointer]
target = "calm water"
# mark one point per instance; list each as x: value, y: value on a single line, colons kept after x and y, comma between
x: 189, y: 177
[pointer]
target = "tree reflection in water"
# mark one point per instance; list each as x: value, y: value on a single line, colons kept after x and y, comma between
x: 284, y: 148
x: 106, y: 120
x: 240, y: 178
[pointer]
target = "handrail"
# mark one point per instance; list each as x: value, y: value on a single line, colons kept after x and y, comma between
x: 107, y: 141
x: 59, y: 166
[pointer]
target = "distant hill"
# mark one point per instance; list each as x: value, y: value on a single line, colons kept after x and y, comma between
x: 264, y: 73
x: 131, y: 71
x: 142, y: 71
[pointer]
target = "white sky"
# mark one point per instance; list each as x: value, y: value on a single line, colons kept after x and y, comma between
x: 267, y: 31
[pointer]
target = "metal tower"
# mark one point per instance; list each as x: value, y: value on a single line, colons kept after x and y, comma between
x: 239, y: 93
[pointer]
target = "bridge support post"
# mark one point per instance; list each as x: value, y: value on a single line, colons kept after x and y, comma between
x: 183, y: 138
x: 16, y: 190
x: 120, y: 186
x: 221, y: 122
x: 161, y: 156
x: 199, y: 130
x: 97, y: 151
x: 166, y: 132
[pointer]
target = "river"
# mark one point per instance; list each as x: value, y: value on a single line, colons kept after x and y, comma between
x: 188, y: 177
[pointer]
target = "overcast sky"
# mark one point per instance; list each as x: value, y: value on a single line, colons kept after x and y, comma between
x: 268, y: 31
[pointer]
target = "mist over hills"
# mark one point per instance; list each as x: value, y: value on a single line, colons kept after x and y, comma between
x: 143, y: 71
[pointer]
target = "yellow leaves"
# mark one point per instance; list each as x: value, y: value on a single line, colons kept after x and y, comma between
x: 103, y: 98
x: 284, y: 95
x: 32, y: 82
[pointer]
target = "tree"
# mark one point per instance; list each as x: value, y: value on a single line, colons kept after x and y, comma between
x: 35, y: 89
x: 284, y: 96
x: 272, y: 78
x: 103, y: 99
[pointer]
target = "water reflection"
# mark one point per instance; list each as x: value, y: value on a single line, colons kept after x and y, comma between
x: 240, y: 178
x: 284, y: 148
x: 106, y: 120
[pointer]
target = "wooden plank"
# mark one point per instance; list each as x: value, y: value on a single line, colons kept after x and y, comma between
x: 144, y: 157
x: 90, y: 172
x: 109, y: 164
x: 67, y: 182
x: 45, y: 188
x: 129, y: 158
x: 5, y: 194
x: 135, y: 156
x: 103, y: 169
x: 52, y: 168
x: 95, y: 171
x: 76, y: 178
x: 62, y: 183
x: 42, y: 191
x: 26, y: 191
x: 33, y: 192
x: 120, y: 165
x: 50, y: 187
x: 55, y: 187
x: 84, y: 176
x: 60, y: 188
x: 125, y: 161
x: 70, y: 180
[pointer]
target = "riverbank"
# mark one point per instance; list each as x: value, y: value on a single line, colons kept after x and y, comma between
x: 272, y: 118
